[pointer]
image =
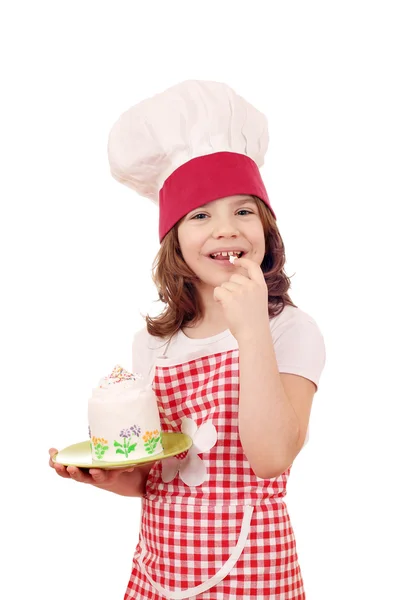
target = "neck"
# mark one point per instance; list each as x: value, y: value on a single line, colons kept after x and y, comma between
x: 213, y: 320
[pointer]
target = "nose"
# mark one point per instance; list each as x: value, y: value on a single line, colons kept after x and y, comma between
x: 225, y: 228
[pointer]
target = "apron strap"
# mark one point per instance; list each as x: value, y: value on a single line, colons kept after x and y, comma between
x: 152, y: 369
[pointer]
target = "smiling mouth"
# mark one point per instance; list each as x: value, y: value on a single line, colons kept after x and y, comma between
x: 225, y: 255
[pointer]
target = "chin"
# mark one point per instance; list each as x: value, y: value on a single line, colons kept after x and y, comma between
x: 213, y: 281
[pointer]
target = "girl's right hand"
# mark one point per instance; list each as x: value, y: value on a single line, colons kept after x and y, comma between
x: 106, y: 479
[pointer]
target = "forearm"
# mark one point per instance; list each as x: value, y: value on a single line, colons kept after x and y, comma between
x: 268, y: 424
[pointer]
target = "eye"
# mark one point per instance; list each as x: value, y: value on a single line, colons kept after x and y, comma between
x: 199, y: 216
x: 245, y: 210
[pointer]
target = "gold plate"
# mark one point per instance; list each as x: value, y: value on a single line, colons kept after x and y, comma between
x: 79, y: 455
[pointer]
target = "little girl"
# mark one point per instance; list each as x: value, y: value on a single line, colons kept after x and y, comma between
x: 236, y: 364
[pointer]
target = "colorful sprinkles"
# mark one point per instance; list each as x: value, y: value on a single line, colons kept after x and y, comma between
x: 117, y: 375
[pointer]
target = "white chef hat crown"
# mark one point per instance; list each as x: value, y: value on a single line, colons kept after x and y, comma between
x: 193, y: 143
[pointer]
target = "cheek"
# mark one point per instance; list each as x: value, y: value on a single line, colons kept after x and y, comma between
x: 184, y: 243
x: 259, y: 241
x: 188, y: 250
x: 191, y: 243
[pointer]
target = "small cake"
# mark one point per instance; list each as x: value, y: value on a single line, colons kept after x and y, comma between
x: 124, y: 422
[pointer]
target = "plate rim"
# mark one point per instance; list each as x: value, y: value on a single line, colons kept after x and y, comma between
x: 121, y: 464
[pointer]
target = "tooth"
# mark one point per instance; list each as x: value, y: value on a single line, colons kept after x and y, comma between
x: 224, y: 253
x: 232, y: 259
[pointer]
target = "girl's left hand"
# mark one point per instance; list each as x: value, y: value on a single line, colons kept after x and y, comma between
x: 244, y: 300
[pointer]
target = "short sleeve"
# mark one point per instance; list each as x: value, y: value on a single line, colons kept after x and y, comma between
x: 299, y: 344
x: 141, y: 353
x: 145, y: 348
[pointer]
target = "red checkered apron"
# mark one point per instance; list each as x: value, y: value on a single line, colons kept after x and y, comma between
x: 229, y: 537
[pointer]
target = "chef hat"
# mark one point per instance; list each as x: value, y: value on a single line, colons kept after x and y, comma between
x: 196, y: 142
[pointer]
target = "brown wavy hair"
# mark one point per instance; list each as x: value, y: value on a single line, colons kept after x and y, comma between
x: 176, y: 288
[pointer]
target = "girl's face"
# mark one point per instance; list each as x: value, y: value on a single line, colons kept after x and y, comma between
x: 208, y: 233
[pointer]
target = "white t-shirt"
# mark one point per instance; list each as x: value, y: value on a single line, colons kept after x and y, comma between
x: 298, y: 344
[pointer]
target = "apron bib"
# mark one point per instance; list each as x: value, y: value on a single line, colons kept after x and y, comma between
x: 210, y: 528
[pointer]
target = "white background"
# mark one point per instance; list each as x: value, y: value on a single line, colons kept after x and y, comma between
x: 77, y: 249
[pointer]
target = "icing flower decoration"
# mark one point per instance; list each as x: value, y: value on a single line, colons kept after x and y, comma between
x: 190, y: 466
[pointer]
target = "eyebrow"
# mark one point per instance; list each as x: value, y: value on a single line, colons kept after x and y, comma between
x: 235, y: 203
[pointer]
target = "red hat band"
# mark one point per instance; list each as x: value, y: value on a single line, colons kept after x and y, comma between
x: 207, y: 178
